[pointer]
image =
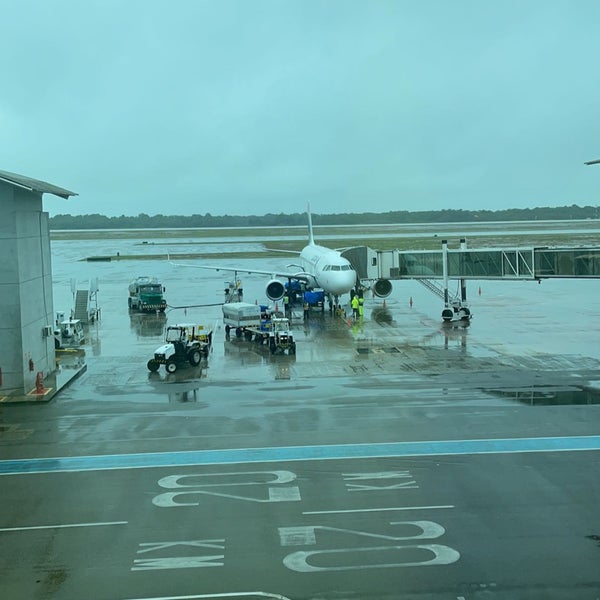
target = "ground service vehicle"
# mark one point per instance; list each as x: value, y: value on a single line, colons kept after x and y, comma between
x: 252, y: 321
x: 281, y: 339
x: 146, y: 295
x: 185, y: 343
x: 69, y: 334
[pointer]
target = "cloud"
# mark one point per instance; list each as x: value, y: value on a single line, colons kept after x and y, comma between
x: 248, y: 108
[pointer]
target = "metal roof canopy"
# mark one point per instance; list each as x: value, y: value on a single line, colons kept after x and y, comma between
x: 35, y: 185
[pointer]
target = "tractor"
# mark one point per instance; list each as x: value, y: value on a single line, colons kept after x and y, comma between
x: 281, y: 339
x: 184, y: 343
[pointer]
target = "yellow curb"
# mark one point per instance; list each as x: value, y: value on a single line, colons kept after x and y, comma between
x: 34, y: 393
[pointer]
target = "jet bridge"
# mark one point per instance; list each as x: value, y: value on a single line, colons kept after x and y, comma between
x: 427, y: 266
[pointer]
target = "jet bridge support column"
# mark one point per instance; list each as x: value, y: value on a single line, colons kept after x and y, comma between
x: 447, y: 313
x: 463, y: 283
x: 464, y: 313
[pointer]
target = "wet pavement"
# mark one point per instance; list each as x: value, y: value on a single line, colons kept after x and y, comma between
x: 394, y: 456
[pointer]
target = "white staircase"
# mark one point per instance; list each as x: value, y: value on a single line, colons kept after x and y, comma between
x: 81, y: 306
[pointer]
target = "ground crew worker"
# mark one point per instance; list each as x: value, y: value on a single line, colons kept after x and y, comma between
x: 286, y: 305
x: 354, y: 303
x: 361, y: 306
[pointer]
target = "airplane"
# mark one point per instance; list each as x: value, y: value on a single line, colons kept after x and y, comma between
x: 319, y: 268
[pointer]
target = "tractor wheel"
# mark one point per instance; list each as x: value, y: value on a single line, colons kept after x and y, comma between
x: 129, y: 303
x: 171, y: 366
x: 153, y: 365
x: 292, y: 349
x: 194, y: 357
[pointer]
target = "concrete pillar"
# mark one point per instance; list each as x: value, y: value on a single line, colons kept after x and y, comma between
x: 25, y: 290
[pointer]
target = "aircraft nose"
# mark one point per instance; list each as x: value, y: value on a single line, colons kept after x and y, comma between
x: 346, y: 282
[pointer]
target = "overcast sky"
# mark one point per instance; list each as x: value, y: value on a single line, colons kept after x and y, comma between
x: 258, y: 106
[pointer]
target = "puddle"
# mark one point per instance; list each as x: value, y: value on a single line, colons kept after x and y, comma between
x: 537, y: 396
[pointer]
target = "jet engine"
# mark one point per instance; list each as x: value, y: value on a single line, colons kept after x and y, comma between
x: 275, y: 290
x: 382, y: 288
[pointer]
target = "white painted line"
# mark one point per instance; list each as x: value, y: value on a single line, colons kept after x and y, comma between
x: 224, y: 595
x: 360, y: 510
x: 64, y: 526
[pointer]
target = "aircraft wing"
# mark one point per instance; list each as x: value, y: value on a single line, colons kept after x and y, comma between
x: 300, y: 276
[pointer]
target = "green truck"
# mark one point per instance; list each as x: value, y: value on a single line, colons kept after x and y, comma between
x: 146, y: 294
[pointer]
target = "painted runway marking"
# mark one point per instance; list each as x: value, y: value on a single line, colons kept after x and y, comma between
x: 223, y: 595
x: 361, y: 510
x: 66, y: 526
x: 70, y: 464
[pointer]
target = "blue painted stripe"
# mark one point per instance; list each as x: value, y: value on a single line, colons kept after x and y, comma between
x: 293, y: 453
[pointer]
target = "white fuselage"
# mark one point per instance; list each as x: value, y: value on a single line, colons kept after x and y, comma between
x: 330, y: 270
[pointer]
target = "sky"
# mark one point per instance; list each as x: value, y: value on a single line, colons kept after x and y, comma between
x: 249, y: 107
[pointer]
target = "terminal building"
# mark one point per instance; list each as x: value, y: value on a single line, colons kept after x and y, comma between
x: 27, y: 325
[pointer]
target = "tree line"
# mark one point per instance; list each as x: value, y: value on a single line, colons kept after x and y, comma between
x: 144, y: 221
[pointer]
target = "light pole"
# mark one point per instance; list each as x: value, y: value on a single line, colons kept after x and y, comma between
x: 593, y: 162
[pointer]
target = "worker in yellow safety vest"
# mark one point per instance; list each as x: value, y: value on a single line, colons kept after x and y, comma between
x: 354, y: 303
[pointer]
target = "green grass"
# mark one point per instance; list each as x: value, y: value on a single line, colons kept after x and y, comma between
x: 522, y: 235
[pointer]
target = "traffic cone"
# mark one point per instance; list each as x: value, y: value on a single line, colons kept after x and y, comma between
x: 39, y: 383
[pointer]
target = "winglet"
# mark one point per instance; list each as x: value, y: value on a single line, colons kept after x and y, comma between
x: 311, y: 240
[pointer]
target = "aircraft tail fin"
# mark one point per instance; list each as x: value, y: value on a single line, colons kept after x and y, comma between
x: 311, y: 239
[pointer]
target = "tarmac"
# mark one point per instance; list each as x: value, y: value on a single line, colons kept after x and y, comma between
x: 392, y: 456
x: 70, y: 364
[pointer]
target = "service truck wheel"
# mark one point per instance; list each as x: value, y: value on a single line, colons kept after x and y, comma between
x: 171, y: 366
x: 194, y: 357
x: 153, y: 365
